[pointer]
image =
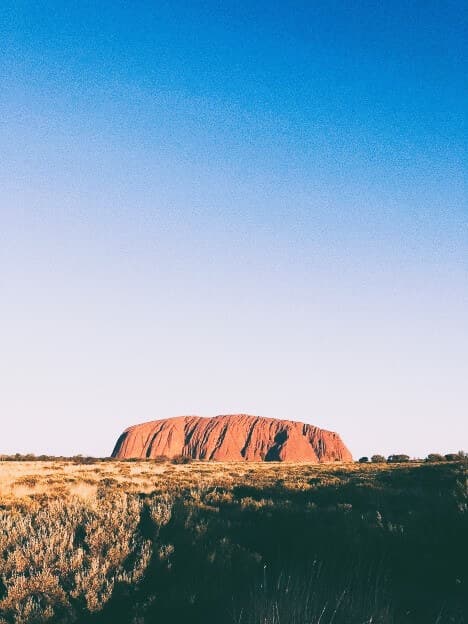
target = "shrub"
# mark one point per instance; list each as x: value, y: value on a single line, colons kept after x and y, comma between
x: 435, y: 457
x: 378, y: 459
x: 363, y: 460
x: 59, y: 558
x: 398, y: 459
x: 27, y: 481
x: 181, y: 459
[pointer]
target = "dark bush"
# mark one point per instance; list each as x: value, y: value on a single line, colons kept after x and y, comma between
x: 182, y: 459
x: 435, y: 457
x: 363, y: 460
x: 160, y: 459
x: 398, y: 459
x: 378, y: 459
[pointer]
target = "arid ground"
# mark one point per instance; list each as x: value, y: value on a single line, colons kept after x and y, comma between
x: 236, y: 543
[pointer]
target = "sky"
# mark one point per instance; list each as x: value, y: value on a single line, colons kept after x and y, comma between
x: 213, y: 207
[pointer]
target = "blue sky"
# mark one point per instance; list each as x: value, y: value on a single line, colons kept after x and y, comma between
x: 208, y: 208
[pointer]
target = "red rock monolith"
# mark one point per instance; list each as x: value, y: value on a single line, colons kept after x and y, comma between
x: 233, y: 437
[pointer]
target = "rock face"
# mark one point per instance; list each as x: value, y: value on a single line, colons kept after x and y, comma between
x: 235, y: 437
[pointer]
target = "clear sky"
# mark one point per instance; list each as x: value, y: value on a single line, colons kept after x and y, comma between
x: 226, y: 207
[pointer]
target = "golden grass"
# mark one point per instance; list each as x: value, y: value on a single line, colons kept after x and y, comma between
x: 74, y: 535
x: 22, y: 481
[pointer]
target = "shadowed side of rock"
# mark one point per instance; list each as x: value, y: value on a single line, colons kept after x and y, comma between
x: 234, y: 437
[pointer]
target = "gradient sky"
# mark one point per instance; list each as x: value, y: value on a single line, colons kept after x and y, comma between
x: 233, y: 207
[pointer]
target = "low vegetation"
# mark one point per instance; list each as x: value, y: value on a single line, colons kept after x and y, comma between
x: 155, y: 541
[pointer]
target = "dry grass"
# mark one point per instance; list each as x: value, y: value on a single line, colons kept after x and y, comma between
x: 129, y: 541
x: 27, y: 480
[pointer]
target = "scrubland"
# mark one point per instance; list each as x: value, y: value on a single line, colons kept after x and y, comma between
x: 234, y: 543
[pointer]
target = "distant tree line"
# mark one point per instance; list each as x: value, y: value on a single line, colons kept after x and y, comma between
x: 399, y: 458
x: 396, y: 458
x: 85, y: 459
x: 77, y: 459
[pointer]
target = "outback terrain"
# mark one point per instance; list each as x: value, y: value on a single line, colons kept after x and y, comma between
x: 232, y: 543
